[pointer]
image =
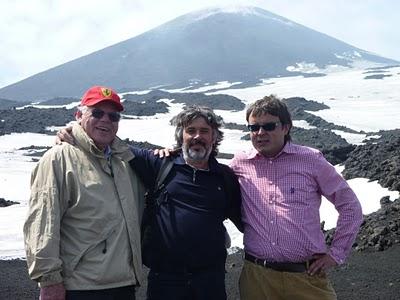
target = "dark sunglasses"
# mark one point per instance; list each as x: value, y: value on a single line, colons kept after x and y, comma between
x: 113, y: 116
x: 267, y: 126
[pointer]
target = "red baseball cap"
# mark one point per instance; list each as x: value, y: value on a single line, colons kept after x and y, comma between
x: 98, y: 94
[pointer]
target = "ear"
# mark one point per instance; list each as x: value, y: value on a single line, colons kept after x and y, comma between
x: 214, y: 137
x: 78, y: 115
x: 286, y: 128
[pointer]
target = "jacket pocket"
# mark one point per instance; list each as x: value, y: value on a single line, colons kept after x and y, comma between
x: 71, y: 264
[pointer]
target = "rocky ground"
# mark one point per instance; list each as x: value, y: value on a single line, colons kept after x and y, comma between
x: 372, y: 272
x: 366, y: 276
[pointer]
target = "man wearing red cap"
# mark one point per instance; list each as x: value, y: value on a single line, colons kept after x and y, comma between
x: 82, y: 236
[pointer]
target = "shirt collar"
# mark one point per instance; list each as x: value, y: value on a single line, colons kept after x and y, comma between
x: 212, y: 162
x: 288, y: 148
x: 107, y: 152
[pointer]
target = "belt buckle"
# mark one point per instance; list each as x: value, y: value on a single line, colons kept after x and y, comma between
x: 262, y: 262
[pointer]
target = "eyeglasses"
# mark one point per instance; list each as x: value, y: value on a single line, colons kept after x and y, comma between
x: 267, y: 126
x: 113, y: 116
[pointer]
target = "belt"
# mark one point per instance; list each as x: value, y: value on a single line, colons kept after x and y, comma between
x: 299, y: 267
x: 181, y: 269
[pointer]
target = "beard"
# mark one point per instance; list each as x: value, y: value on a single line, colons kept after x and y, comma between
x: 200, y: 154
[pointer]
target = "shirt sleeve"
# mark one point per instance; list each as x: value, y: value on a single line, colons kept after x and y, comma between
x: 42, y: 226
x: 146, y: 165
x: 335, y: 188
x: 235, y: 198
x: 233, y: 163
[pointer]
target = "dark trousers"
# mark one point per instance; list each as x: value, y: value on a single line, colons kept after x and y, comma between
x: 121, y: 293
x: 200, y: 285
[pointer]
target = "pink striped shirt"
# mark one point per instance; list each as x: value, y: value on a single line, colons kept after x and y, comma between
x: 281, y: 201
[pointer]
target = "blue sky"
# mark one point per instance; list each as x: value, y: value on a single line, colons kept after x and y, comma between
x: 39, y: 34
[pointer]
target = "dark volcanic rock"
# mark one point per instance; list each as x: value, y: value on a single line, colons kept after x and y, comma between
x: 298, y: 106
x: 334, y: 147
x: 10, y: 104
x: 31, y: 119
x: 377, y: 159
x: 236, y: 126
x: 301, y: 104
x: 218, y: 101
x: 148, y: 108
x: 380, y: 230
x: 60, y: 101
x: 377, y: 76
x: 387, y: 67
x: 4, y: 202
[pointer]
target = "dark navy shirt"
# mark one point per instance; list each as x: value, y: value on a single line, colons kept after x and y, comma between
x: 190, y: 217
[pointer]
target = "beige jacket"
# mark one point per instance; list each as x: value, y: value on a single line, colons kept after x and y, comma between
x: 83, y: 225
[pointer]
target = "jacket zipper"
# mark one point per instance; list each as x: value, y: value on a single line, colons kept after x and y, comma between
x: 110, y: 166
x: 105, y: 247
x: 194, y: 175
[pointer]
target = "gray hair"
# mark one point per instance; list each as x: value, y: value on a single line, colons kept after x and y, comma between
x: 191, y: 113
x: 82, y: 108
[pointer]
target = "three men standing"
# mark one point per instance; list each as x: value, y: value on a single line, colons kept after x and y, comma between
x: 71, y: 244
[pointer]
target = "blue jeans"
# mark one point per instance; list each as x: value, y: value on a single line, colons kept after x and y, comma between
x: 206, y: 284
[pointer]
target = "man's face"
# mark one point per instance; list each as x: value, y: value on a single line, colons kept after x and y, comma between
x: 101, y: 130
x: 198, y: 140
x: 267, y: 143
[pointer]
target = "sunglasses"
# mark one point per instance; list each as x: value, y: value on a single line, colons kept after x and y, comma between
x: 113, y: 116
x: 267, y: 126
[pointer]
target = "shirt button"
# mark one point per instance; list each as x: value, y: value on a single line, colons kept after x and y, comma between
x: 271, y: 202
x: 270, y: 162
x: 272, y: 222
x: 273, y: 243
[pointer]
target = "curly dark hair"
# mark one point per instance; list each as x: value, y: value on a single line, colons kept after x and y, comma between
x: 188, y: 115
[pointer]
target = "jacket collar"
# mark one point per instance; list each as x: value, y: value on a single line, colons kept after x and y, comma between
x: 118, y: 147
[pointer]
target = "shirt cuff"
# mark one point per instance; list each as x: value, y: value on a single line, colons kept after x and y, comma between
x: 337, y: 257
x: 50, y: 279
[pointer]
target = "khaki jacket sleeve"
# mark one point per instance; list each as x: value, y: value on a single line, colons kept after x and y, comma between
x: 42, y: 226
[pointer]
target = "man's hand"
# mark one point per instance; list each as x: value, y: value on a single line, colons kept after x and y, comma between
x: 322, y: 263
x: 65, y: 135
x: 163, y: 152
x: 53, y: 292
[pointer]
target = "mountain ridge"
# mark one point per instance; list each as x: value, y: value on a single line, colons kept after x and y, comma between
x: 204, y: 46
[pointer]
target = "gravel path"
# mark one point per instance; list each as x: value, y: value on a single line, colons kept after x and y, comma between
x: 366, y: 276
